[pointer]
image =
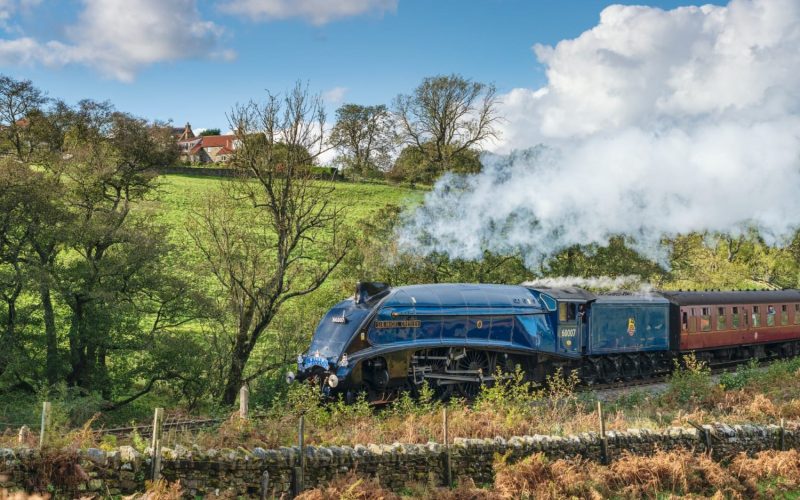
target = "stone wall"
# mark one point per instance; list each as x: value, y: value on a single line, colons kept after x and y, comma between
x: 209, y: 472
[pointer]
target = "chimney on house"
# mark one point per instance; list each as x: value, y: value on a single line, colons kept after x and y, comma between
x: 187, y: 132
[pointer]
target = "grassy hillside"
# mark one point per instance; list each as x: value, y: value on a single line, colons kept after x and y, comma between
x: 181, y: 194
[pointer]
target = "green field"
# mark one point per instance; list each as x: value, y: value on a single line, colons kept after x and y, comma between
x: 180, y: 194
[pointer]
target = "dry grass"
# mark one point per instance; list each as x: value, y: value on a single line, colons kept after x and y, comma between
x: 770, y: 473
x: 676, y: 474
x: 350, y: 487
x: 679, y: 472
x: 537, y: 477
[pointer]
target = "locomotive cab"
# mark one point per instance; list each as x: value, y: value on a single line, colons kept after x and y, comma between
x: 569, y: 310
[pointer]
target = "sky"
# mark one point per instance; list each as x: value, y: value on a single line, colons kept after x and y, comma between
x: 192, y: 60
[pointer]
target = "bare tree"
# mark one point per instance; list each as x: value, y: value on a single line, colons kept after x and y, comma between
x: 445, y: 116
x: 365, y: 137
x: 275, y: 233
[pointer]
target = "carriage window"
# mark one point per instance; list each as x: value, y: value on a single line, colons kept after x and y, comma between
x: 721, y: 319
x: 770, y: 315
x: 685, y: 321
x: 756, y: 316
x: 705, y: 320
x: 797, y: 314
x: 735, y: 318
x: 784, y: 315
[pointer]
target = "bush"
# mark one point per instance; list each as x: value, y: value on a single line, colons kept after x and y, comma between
x: 510, y: 391
x: 691, y: 383
x: 743, y: 375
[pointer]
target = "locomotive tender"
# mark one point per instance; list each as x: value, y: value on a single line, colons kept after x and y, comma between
x: 459, y: 336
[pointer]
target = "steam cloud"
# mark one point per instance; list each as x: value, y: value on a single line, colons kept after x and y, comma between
x: 652, y: 123
x: 630, y: 282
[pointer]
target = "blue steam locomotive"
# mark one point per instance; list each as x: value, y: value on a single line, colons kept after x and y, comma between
x: 460, y: 336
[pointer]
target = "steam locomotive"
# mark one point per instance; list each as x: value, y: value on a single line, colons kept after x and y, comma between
x: 457, y: 337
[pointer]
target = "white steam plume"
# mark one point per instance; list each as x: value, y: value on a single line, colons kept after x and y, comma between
x: 656, y: 123
x: 630, y: 282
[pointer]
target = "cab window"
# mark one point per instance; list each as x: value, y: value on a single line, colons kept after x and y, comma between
x: 567, y: 311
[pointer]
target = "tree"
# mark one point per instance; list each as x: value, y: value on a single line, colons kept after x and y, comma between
x: 413, y: 165
x: 114, y: 254
x: 210, y: 131
x: 18, y: 100
x: 365, y: 138
x: 275, y: 234
x: 445, y: 116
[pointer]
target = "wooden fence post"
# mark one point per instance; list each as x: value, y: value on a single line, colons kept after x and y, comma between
x: 45, y: 423
x: 448, y: 472
x: 603, y: 440
x: 158, y: 420
x: 264, y: 484
x: 299, y: 472
x: 244, y: 401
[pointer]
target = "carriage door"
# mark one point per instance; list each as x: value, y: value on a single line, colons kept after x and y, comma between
x: 569, y: 327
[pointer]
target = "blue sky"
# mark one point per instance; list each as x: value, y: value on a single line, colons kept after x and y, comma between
x: 367, y: 52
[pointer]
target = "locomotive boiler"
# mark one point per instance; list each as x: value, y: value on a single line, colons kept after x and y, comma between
x: 457, y: 337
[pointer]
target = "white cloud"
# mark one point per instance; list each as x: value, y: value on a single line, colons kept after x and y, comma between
x: 334, y: 95
x: 317, y: 12
x: 658, y: 122
x: 120, y: 37
x: 11, y: 8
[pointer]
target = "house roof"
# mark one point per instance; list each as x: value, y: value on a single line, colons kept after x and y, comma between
x: 217, y: 141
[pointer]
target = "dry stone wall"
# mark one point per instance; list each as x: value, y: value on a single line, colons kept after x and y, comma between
x: 247, y: 472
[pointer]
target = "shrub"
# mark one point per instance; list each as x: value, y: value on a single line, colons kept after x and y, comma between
x: 53, y: 469
x: 509, y: 391
x: 740, y: 378
x: 161, y: 490
x: 691, y: 383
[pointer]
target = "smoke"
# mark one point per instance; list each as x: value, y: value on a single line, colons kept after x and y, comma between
x: 653, y: 123
x: 630, y: 282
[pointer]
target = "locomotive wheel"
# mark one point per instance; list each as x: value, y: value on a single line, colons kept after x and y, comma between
x: 609, y: 369
x: 646, y: 366
x: 629, y: 367
x: 474, y: 360
x: 439, y: 366
x: 591, y: 372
